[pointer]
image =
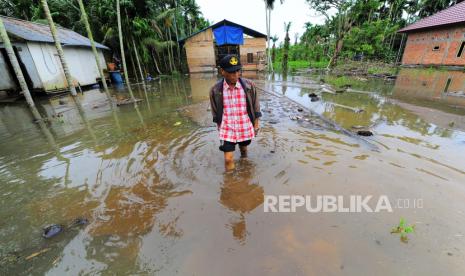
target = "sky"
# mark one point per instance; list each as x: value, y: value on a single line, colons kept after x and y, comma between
x: 251, y: 14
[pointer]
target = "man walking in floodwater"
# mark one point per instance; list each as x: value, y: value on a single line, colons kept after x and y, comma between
x: 235, y: 108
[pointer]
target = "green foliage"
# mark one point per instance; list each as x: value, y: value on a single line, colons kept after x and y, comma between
x: 155, y: 26
x: 369, y: 40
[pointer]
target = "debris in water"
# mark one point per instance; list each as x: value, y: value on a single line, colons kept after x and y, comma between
x: 127, y: 101
x: 313, y: 97
x: 365, y: 133
x: 300, y: 109
x: 177, y: 123
x: 33, y: 255
x: 403, y: 230
x: 79, y: 222
x: 52, y: 230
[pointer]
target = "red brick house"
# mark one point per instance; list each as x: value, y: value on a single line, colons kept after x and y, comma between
x: 438, y: 39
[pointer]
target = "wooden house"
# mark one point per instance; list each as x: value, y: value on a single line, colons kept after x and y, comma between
x: 205, y: 48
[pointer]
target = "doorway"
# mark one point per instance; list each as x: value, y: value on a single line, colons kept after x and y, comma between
x: 224, y: 50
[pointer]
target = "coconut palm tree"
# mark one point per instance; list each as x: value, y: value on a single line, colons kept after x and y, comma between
x: 61, y: 55
x: 92, y: 43
x: 269, y: 5
x: 273, y: 50
x: 123, y: 59
x: 287, y: 40
x: 19, y: 74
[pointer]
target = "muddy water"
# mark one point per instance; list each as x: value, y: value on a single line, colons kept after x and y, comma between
x: 151, y: 182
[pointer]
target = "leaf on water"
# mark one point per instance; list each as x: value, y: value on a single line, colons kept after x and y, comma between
x: 177, y: 124
x: 33, y: 255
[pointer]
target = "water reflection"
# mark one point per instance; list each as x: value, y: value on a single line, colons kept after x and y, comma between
x: 241, y: 193
x: 159, y: 202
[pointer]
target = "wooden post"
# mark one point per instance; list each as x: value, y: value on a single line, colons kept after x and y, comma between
x: 18, y: 72
x: 61, y: 55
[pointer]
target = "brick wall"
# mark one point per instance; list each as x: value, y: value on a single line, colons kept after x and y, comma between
x: 435, y: 47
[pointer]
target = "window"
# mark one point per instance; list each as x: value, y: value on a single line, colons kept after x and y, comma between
x: 250, y: 58
x: 436, y: 48
x: 460, y: 52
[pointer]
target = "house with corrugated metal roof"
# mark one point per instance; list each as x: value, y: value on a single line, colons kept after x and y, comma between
x: 205, y: 48
x: 438, y: 39
x: 35, y: 49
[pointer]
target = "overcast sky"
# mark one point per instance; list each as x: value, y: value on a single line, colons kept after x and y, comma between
x: 251, y: 13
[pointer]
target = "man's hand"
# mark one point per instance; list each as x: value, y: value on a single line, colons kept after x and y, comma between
x: 256, y: 126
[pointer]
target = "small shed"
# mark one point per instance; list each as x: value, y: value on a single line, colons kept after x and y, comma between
x: 35, y: 49
x: 438, y: 39
x: 205, y: 48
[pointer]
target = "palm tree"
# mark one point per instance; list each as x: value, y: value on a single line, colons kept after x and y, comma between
x: 286, y: 47
x: 273, y: 50
x: 61, y: 55
x: 269, y: 5
x: 92, y: 43
x: 19, y: 74
x: 123, y: 59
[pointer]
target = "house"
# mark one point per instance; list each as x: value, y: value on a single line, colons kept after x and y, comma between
x: 35, y: 49
x: 205, y: 48
x: 438, y: 39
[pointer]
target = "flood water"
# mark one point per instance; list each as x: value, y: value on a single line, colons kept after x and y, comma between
x: 151, y: 181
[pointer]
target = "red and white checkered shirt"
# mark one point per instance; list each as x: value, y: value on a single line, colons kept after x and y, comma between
x: 235, y: 126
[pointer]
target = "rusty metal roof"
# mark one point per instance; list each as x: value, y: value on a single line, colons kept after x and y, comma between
x: 30, y: 31
x: 450, y: 16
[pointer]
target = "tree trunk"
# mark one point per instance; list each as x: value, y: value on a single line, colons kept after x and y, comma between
x: 176, y: 33
x: 155, y: 62
x: 336, y: 53
x: 137, y: 60
x: 170, y: 52
x: 123, y: 59
x: 92, y: 43
x: 61, y: 55
x: 18, y: 72
x: 133, y: 65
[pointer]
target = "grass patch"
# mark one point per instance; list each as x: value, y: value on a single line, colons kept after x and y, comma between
x: 341, y: 82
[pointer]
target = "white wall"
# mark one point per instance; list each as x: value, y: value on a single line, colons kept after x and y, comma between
x: 48, y: 65
x: 80, y: 60
x: 82, y: 65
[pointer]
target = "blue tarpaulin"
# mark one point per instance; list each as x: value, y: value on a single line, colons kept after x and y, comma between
x: 229, y: 35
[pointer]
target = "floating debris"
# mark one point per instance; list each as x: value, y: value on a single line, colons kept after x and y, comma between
x: 52, y: 230
x: 33, y: 255
x: 177, y: 124
x: 127, y: 101
x: 300, y: 109
x: 365, y: 133
x: 79, y: 222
